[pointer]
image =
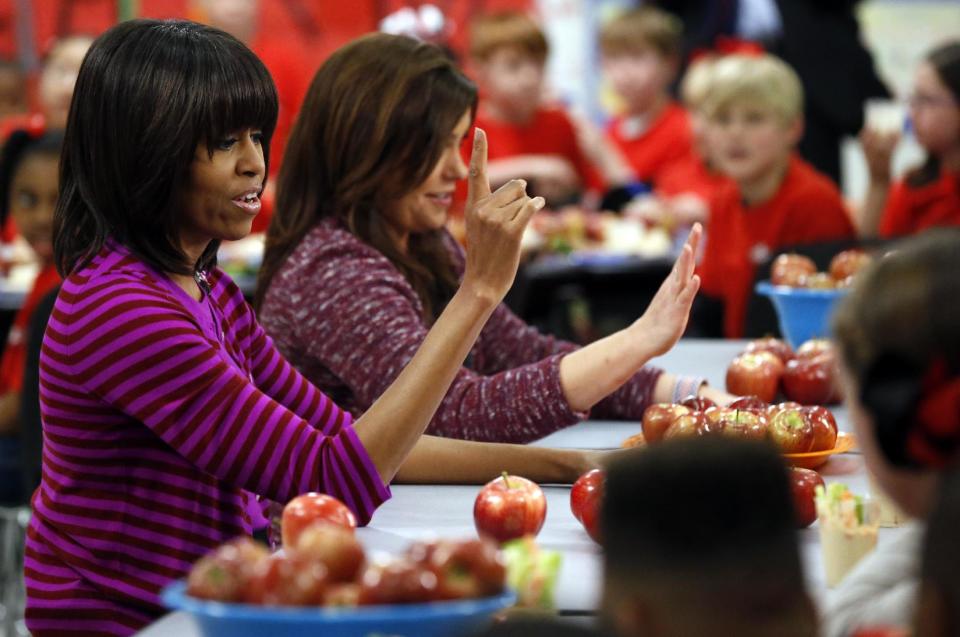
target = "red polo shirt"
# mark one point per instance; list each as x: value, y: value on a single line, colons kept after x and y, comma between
x: 911, y: 210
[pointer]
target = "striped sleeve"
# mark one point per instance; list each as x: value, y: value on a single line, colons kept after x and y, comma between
x: 143, y: 354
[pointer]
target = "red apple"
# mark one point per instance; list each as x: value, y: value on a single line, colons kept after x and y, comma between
x: 304, y: 510
x: 342, y: 595
x: 776, y: 346
x: 811, y: 380
x: 789, y: 269
x: 755, y: 373
x: 399, y: 582
x: 744, y: 423
x: 222, y: 574
x: 791, y: 429
x: 749, y: 403
x: 657, y: 418
x: 824, y: 428
x: 848, y: 263
x: 287, y: 580
x: 585, y: 500
x: 802, y: 485
x: 334, y: 546
x: 464, y: 570
x: 690, y: 424
x: 698, y: 403
x: 509, y: 507
x: 585, y: 489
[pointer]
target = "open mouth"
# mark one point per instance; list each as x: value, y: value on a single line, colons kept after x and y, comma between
x: 249, y: 201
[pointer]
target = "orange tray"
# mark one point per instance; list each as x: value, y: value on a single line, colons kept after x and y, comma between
x: 813, y: 459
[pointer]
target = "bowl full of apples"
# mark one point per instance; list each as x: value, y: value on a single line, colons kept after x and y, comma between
x: 804, y: 298
x: 323, y: 582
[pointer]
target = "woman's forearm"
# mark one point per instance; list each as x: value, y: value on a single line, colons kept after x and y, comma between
x: 592, y: 373
x: 436, y: 460
x: 392, y: 425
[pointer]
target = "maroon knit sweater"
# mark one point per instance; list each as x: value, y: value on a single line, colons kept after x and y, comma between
x: 349, y: 321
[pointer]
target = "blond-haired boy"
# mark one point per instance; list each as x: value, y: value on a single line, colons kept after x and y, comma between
x: 754, y: 113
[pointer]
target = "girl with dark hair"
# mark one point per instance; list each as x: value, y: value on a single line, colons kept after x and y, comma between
x: 900, y: 358
x: 929, y: 195
x: 165, y: 406
x: 358, y: 264
x: 28, y: 193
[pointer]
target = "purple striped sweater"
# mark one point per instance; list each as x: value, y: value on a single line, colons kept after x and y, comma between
x: 161, y: 416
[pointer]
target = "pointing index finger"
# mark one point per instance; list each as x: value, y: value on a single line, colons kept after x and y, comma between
x: 478, y: 185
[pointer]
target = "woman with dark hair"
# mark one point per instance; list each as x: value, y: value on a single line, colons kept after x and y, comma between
x: 900, y: 363
x: 929, y: 195
x: 28, y: 193
x: 165, y: 406
x: 358, y: 265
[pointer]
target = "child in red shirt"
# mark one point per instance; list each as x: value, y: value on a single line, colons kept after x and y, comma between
x: 777, y: 199
x: 557, y: 155
x: 640, y: 52
x: 929, y: 196
x: 29, y: 178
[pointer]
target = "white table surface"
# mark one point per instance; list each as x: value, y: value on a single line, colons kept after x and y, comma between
x: 423, y: 512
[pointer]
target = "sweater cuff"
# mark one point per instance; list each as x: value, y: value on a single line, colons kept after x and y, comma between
x: 687, y: 386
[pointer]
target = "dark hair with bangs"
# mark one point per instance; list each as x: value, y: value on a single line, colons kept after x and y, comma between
x: 20, y: 145
x: 371, y: 129
x: 148, y: 93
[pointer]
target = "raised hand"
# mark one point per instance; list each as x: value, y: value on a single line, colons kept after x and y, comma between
x: 665, y: 320
x: 495, y: 224
x: 878, y: 148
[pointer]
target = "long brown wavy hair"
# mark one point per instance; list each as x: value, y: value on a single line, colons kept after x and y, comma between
x: 371, y: 130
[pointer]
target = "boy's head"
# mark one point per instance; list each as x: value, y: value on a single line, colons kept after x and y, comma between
x: 59, y: 75
x: 754, y: 112
x: 640, y: 50
x: 699, y: 538
x: 938, y: 607
x: 508, y: 52
x: 899, y: 346
x: 13, y: 89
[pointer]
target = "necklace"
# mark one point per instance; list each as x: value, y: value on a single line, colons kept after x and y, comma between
x: 201, y: 278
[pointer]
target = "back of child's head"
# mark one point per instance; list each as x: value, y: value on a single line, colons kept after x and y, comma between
x: 494, y: 31
x: 938, y: 608
x: 898, y: 332
x: 642, y: 28
x: 758, y: 81
x: 703, y: 531
x: 20, y: 146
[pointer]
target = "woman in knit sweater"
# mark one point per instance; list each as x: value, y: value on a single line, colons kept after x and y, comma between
x: 165, y: 406
x: 358, y: 265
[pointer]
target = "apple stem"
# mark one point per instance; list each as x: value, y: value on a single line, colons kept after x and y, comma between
x: 505, y: 475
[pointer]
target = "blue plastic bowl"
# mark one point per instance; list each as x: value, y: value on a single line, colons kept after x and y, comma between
x: 803, y: 313
x: 436, y: 619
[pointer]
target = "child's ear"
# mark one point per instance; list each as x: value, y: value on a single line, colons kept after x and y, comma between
x: 795, y: 130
